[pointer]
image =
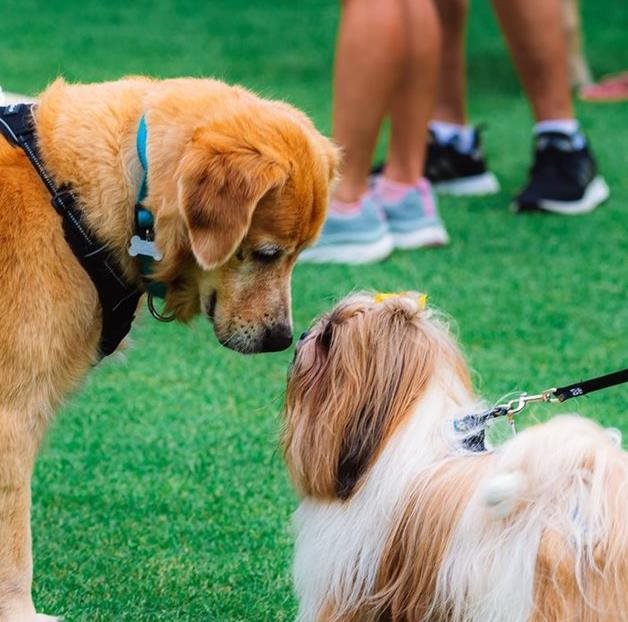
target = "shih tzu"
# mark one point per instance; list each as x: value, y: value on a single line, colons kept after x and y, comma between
x: 400, y: 521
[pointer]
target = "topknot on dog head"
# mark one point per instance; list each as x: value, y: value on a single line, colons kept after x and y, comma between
x: 356, y: 376
x: 410, y: 304
x: 358, y: 310
x: 370, y: 319
x: 418, y: 299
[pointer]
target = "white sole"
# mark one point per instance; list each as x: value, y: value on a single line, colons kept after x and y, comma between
x: 478, y: 185
x: 422, y: 238
x: 350, y: 253
x: 596, y: 193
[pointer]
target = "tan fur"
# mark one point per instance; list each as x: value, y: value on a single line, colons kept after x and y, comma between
x: 362, y: 396
x: 230, y: 175
x: 558, y: 595
x: 414, y: 552
x: 556, y: 492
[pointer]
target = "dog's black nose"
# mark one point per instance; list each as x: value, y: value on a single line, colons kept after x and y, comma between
x: 277, y: 338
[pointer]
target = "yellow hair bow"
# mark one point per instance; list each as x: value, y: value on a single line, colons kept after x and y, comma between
x: 421, y: 299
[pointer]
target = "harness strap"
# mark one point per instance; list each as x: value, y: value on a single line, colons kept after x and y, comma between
x: 118, y: 298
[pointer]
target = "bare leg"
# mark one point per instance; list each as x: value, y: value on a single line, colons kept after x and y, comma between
x: 579, y: 72
x: 452, y: 84
x: 386, y: 61
x: 412, y: 103
x: 369, y: 58
x: 535, y: 35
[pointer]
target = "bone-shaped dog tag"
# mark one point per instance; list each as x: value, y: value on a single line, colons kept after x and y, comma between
x: 144, y: 247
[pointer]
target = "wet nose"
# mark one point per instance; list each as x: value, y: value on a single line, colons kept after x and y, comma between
x: 277, y: 338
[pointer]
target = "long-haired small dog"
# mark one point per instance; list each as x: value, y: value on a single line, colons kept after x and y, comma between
x: 399, y: 522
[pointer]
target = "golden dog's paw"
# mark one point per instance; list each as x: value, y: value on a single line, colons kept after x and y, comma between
x: 42, y: 617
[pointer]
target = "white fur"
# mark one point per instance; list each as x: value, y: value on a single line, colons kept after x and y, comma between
x: 339, y: 544
x: 537, y: 484
x: 501, y: 492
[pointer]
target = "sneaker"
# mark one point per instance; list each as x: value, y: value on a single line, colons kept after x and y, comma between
x: 459, y: 173
x: 414, y: 221
x: 360, y: 237
x: 563, y: 178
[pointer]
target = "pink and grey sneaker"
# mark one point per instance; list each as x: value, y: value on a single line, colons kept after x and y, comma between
x: 353, y: 233
x: 411, y: 213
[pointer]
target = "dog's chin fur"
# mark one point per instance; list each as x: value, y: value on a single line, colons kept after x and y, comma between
x: 229, y: 175
x: 399, y: 522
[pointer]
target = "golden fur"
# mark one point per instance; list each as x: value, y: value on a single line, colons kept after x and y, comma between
x: 329, y: 460
x: 399, y: 522
x: 238, y: 186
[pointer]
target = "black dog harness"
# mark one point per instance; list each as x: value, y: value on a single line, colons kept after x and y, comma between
x: 118, y: 297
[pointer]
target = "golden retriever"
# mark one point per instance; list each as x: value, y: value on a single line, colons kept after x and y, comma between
x: 237, y: 185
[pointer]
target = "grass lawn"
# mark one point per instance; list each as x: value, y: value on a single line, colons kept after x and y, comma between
x: 160, y: 493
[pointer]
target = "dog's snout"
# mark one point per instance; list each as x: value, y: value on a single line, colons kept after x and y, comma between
x: 277, y: 338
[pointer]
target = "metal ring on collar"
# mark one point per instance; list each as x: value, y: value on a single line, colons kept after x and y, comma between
x: 150, y: 303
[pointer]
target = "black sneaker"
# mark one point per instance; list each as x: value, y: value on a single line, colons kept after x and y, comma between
x: 459, y: 173
x: 563, y: 178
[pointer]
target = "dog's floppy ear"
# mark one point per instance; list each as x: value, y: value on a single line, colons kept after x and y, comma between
x: 221, y: 179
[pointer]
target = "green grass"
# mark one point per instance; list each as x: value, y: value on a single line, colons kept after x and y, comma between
x: 160, y: 493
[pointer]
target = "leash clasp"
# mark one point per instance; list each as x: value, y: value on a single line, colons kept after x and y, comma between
x: 519, y: 403
x: 515, y: 406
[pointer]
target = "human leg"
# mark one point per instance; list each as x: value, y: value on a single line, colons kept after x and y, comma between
x: 564, y: 176
x: 369, y: 63
x: 405, y: 196
x: 537, y: 42
x: 455, y: 161
x: 452, y: 82
x: 386, y: 62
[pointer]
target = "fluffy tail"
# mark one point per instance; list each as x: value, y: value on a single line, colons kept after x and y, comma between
x: 545, y: 536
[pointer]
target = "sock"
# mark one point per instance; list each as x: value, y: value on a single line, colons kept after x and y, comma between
x: 462, y: 135
x: 391, y: 191
x: 563, y: 126
x: 570, y: 127
x: 344, y: 208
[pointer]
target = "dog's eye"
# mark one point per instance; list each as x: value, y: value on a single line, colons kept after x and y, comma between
x: 267, y: 255
x: 302, y: 338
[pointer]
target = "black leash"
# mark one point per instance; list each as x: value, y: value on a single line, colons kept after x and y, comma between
x: 474, y: 425
x: 589, y: 386
x: 118, y: 298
